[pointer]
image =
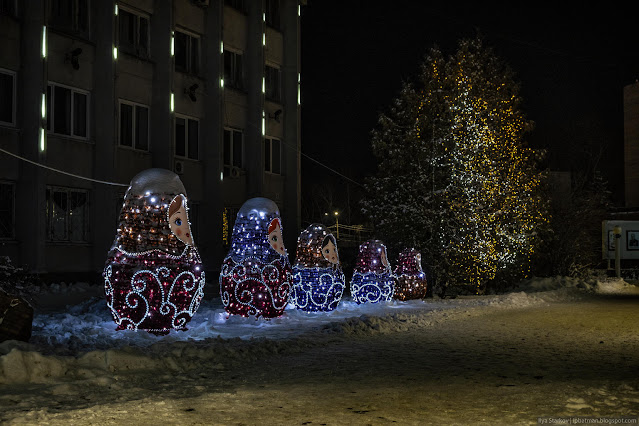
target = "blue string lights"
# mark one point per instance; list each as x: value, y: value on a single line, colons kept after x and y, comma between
x: 256, y: 274
x: 318, y: 280
x: 373, y: 280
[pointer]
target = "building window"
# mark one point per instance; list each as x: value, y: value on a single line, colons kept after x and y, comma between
x: 67, y: 111
x: 8, y: 7
x: 236, y: 4
x: 233, y: 74
x: 272, y: 159
x: 134, y: 125
x: 7, y: 203
x: 233, y: 150
x: 272, y: 83
x: 187, y: 135
x: 67, y: 214
x: 7, y: 97
x: 272, y: 12
x: 70, y: 15
x: 187, y: 53
x: 133, y: 33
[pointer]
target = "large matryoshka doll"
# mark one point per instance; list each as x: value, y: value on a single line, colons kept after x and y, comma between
x: 411, y: 280
x: 373, y: 280
x: 153, y: 278
x: 256, y: 274
x: 318, y: 280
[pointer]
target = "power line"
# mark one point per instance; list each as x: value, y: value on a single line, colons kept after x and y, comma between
x: 61, y: 171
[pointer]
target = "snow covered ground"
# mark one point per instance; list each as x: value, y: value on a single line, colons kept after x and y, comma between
x: 553, y: 347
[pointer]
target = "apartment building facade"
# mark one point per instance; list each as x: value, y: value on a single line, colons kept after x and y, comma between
x: 94, y: 91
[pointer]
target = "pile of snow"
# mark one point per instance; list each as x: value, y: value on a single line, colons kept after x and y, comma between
x: 80, y: 340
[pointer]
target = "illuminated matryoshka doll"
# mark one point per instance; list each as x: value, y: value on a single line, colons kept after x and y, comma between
x: 373, y: 280
x: 411, y: 280
x: 153, y: 278
x: 318, y: 280
x: 256, y: 274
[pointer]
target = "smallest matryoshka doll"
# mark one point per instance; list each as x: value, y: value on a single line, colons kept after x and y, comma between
x: 256, y: 274
x: 373, y: 280
x: 411, y: 280
x: 318, y: 280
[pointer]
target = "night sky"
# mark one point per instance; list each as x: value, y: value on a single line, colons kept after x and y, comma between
x: 572, y: 66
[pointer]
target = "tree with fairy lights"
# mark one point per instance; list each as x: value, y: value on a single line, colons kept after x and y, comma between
x: 465, y: 188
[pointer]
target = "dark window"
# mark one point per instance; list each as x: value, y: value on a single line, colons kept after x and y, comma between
x: 7, y: 98
x: 187, y: 53
x: 187, y: 136
x: 67, y: 111
x: 134, y: 126
x: 7, y: 202
x: 236, y: 4
x: 67, y: 214
x: 233, y: 150
x: 272, y: 83
x: 8, y: 7
x: 272, y: 13
x: 70, y: 15
x: 272, y: 159
x: 133, y: 33
x: 233, y: 75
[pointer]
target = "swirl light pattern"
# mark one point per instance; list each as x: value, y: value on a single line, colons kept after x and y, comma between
x: 317, y: 289
x: 156, y: 299
x: 255, y: 277
x: 373, y: 280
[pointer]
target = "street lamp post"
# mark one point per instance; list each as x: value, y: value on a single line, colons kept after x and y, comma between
x: 337, y: 225
x: 617, y: 232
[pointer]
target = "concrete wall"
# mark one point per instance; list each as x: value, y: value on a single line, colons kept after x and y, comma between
x: 150, y: 82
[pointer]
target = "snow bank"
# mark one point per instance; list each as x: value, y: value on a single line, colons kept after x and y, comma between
x: 80, y: 341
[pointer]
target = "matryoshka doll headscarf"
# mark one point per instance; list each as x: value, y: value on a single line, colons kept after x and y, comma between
x: 318, y: 280
x: 373, y: 280
x: 411, y: 280
x: 153, y: 277
x: 256, y: 274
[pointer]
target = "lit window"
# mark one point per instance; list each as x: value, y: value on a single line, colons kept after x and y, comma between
x: 272, y: 159
x: 67, y: 214
x: 134, y: 125
x: 187, y: 135
x: 187, y: 53
x: 7, y: 97
x: 67, y: 111
x: 133, y: 33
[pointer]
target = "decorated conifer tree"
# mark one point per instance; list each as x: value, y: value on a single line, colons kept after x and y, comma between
x: 456, y: 179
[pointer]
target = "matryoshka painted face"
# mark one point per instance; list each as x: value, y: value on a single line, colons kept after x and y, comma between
x: 275, y: 236
x: 179, y: 221
x: 384, y: 258
x: 329, y: 252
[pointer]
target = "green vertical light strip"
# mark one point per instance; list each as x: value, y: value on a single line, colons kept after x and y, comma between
x: 44, y: 41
